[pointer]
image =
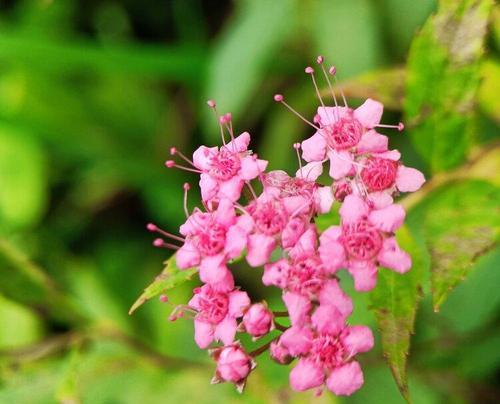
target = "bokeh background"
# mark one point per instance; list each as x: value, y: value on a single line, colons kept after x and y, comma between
x: 92, y: 95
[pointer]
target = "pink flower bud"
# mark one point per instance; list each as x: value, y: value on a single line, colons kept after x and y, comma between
x: 233, y: 364
x: 279, y: 353
x: 278, y: 97
x: 341, y: 189
x: 258, y: 320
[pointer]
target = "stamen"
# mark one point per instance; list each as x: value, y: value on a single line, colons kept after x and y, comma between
x: 252, y: 191
x: 172, y: 163
x: 186, y: 189
x: 213, y: 105
x: 333, y: 71
x: 174, y: 151
x: 279, y: 98
x: 160, y: 243
x: 296, y: 146
x: 310, y: 70
x: 163, y: 298
x: 155, y: 229
x: 332, y: 92
x: 400, y: 126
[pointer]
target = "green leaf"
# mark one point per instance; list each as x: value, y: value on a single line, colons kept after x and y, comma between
x: 169, y: 278
x: 395, y: 301
x: 461, y: 224
x: 442, y: 81
x: 23, y: 191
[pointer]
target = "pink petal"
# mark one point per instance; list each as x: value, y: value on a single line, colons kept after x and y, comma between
x: 314, y: 148
x: 298, y: 307
x: 364, y: 274
x: 369, y: 113
x: 203, y: 333
x: 346, y: 379
x: 260, y: 248
x: 213, y: 270
x: 187, y: 256
x: 331, y: 251
x: 238, y: 303
x: 358, y: 339
x: 331, y: 294
x: 373, y: 142
x: 409, y: 179
x: 240, y: 143
x: 353, y: 209
x: 388, y: 219
x: 392, y: 257
x: 340, y: 164
x: 292, y: 232
x: 276, y: 273
x: 236, y: 241
x: 297, y: 340
x: 311, y: 171
x: 226, y: 330
x: 250, y: 168
x: 306, y: 375
x: 329, y: 115
x: 328, y: 319
x: 296, y: 205
x: 389, y: 155
x: 231, y: 189
x: 208, y: 186
x: 323, y: 199
x: 202, y: 157
x: 306, y: 245
x: 225, y: 214
x: 380, y: 200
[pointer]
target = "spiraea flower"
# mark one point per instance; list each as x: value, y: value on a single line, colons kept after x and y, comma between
x: 276, y: 228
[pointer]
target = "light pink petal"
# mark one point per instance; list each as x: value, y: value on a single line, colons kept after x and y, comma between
x: 262, y: 164
x: 260, y: 247
x: 389, y: 155
x: 306, y: 375
x: 238, y: 303
x: 323, y: 199
x: 380, y: 200
x: 240, y: 143
x: 297, y: 204
x: 364, y: 274
x: 203, y: 333
x: 306, y: 244
x: 358, y: 339
x: 202, y: 157
x: 314, y: 148
x: 340, y: 164
x: 373, y: 142
x: 213, y: 270
x: 388, y: 219
x: 331, y: 294
x: 331, y: 251
x: 195, y: 301
x: 245, y: 222
x: 208, y: 186
x: 276, y: 273
x: 392, y: 257
x: 297, y: 340
x: 311, y: 171
x: 298, y: 307
x: 193, y: 223
x: 328, y: 319
x: 329, y: 115
x: 236, y: 241
x: 346, y: 379
x: 353, y: 209
x: 409, y: 179
x: 369, y: 113
x: 250, y: 168
x: 231, y: 189
x: 226, y: 330
x: 187, y: 256
x: 225, y: 214
x: 292, y: 232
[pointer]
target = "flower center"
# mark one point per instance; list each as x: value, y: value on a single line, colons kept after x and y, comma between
x: 224, y: 165
x: 327, y: 351
x: 306, y: 276
x: 361, y: 240
x: 270, y: 217
x: 211, y: 239
x: 379, y: 173
x: 343, y: 134
x: 297, y: 186
x: 213, y: 307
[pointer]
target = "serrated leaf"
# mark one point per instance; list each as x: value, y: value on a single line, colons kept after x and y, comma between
x: 461, y: 224
x: 169, y: 278
x: 395, y: 301
x: 442, y: 81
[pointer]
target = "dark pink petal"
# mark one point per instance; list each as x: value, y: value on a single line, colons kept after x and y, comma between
x: 328, y: 319
x: 346, y: 379
x: 297, y: 340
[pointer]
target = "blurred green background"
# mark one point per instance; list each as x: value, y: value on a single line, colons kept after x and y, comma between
x: 92, y: 95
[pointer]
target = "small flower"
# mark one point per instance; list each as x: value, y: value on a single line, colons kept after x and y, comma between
x: 233, y: 365
x: 258, y: 320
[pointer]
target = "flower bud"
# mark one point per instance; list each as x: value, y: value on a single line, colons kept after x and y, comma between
x: 233, y: 364
x: 341, y: 189
x: 258, y: 320
x: 279, y: 353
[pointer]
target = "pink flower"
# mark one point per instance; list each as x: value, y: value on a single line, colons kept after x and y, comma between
x: 233, y: 365
x: 216, y: 314
x: 225, y: 170
x: 363, y: 241
x: 279, y: 353
x: 258, y: 320
x: 208, y: 245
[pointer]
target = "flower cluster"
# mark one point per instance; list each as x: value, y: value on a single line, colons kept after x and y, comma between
x: 275, y: 229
